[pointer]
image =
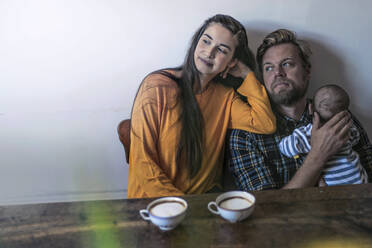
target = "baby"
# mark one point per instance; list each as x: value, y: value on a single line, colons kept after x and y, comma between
x: 342, y: 168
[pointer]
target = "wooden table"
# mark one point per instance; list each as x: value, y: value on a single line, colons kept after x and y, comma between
x: 312, y: 217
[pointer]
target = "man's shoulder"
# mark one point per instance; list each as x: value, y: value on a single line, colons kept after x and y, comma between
x: 360, y: 131
x: 356, y: 123
x: 260, y: 141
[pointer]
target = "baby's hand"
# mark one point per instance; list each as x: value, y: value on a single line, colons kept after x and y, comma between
x: 321, y: 183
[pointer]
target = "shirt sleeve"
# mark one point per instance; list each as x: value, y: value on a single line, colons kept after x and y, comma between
x: 296, y: 143
x: 144, y: 165
x: 363, y: 148
x: 255, y: 116
x: 248, y: 164
x: 354, y: 135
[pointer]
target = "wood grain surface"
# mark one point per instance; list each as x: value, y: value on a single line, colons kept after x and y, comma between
x: 338, y: 216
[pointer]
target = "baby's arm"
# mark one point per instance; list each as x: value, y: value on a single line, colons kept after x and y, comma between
x: 297, y: 142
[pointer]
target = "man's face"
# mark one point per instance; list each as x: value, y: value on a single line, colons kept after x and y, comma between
x: 284, y: 75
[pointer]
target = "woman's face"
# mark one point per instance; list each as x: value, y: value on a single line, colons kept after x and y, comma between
x: 214, y: 51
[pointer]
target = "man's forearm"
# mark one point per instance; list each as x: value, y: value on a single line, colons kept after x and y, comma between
x: 308, y: 174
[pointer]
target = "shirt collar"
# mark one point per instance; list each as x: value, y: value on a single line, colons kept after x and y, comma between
x: 286, y: 124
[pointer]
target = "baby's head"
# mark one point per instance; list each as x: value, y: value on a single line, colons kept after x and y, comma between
x: 329, y: 100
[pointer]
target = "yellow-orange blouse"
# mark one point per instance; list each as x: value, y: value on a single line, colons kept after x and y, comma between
x: 153, y: 169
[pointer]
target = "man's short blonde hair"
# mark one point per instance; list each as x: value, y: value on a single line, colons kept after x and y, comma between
x: 282, y: 36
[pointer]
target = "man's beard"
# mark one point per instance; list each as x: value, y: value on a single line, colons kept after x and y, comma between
x: 288, y: 97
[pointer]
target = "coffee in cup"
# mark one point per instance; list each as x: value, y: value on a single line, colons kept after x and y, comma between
x: 167, y: 208
x: 166, y: 212
x: 233, y: 206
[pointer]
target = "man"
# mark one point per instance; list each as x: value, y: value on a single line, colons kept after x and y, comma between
x: 255, y: 160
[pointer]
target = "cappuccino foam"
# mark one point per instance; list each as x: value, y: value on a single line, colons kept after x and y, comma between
x: 235, y: 203
x: 167, y: 209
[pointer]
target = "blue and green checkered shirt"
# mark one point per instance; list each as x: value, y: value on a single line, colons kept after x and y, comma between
x: 256, y: 162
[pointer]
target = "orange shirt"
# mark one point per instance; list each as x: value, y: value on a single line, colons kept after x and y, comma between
x: 153, y: 170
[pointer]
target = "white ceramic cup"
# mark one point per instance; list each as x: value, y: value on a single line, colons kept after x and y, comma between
x: 233, y: 206
x: 166, y: 212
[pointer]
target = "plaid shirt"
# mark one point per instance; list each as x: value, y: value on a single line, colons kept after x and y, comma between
x: 257, y: 163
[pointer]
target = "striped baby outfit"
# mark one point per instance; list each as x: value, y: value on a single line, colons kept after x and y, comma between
x: 342, y: 168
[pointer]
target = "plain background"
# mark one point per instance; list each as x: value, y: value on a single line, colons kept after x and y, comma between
x: 69, y: 71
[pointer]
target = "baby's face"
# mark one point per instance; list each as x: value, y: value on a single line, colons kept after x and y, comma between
x: 324, y: 104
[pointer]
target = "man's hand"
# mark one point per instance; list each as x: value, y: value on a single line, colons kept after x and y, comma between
x: 325, y: 141
x: 329, y: 138
x: 240, y: 70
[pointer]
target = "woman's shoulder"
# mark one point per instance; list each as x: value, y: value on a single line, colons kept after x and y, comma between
x: 161, y: 79
x: 160, y: 85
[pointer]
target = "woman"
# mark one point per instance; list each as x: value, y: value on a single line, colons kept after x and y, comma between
x: 180, y: 116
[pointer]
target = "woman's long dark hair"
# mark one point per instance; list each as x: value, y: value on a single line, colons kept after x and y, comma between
x: 192, y: 131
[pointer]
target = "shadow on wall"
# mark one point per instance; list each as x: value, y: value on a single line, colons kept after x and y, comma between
x: 328, y: 66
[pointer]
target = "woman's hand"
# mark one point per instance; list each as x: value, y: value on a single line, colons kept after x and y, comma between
x: 239, y: 70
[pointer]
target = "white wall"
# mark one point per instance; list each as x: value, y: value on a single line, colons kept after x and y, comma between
x: 69, y: 71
